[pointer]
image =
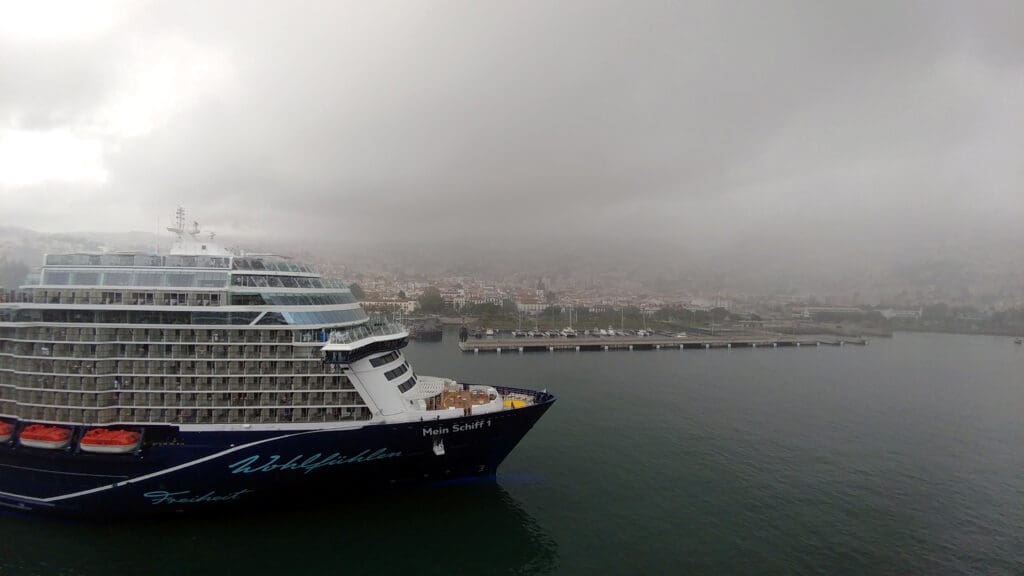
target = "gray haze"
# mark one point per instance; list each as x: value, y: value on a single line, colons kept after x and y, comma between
x: 762, y: 139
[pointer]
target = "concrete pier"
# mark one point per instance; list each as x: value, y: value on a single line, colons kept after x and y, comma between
x: 652, y: 343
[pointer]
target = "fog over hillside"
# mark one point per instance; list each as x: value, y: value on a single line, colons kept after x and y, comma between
x: 864, y: 149
x: 979, y: 279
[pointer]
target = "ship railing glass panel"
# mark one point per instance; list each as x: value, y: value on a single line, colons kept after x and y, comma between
x: 271, y: 264
x: 364, y: 331
x: 261, y: 281
x: 295, y: 299
x: 149, y: 279
x: 137, y: 260
x: 324, y: 317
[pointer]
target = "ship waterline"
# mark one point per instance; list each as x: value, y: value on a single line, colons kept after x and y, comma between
x: 257, y: 467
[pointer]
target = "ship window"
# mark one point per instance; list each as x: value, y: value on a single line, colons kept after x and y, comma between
x: 211, y: 279
x: 396, y: 372
x: 81, y: 316
x: 204, y: 318
x: 149, y: 279
x: 309, y: 299
x: 273, y: 318
x: 201, y: 299
x: 111, y: 297
x: 247, y: 300
x: 147, y: 260
x: 58, y: 278
x: 117, y: 278
x: 375, y: 362
x: 120, y: 259
x: 181, y: 261
x: 281, y: 282
x: 175, y: 299
x: 241, y: 318
x: 143, y: 317
x: 179, y: 279
x: 327, y: 317
x: 407, y: 385
x: 86, y: 278
x: 141, y: 297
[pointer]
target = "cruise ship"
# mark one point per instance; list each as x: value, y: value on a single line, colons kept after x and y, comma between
x: 133, y: 383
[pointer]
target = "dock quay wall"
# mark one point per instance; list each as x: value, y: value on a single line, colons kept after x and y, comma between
x: 649, y: 343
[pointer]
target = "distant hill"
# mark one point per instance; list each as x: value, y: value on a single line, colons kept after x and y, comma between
x: 958, y: 272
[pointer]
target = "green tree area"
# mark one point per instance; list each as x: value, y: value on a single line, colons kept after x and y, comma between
x: 867, y: 317
x: 430, y: 301
x: 942, y: 317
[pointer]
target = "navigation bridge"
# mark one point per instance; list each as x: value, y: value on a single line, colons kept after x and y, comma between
x: 371, y: 356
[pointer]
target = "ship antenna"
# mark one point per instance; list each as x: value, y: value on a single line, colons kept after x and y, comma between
x: 179, y: 223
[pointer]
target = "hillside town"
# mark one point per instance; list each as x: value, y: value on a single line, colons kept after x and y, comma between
x: 553, y: 303
x: 511, y: 298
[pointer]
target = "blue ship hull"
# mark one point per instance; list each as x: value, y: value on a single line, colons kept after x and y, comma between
x: 183, y: 471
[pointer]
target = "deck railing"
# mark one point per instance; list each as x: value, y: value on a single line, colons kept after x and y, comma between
x: 365, y: 331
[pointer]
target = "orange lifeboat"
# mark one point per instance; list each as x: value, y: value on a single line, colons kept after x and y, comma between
x: 6, y: 431
x: 109, y: 441
x: 42, y: 436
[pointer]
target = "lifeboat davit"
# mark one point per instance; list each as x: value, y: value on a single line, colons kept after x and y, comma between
x: 110, y: 441
x: 42, y: 436
x: 6, y: 431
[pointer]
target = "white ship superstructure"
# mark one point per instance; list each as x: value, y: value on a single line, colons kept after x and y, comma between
x: 204, y: 339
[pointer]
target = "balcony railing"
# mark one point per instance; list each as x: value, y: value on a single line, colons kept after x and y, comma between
x: 365, y: 331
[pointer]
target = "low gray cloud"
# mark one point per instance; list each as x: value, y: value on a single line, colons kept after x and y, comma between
x: 779, y: 135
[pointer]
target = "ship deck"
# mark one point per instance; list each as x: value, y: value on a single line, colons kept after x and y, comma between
x: 459, y: 399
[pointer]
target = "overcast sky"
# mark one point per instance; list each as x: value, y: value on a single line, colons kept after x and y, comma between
x: 868, y: 127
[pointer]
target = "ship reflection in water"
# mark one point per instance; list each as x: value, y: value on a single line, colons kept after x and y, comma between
x: 415, y: 531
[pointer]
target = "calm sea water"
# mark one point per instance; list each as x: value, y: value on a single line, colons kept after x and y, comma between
x: 902, y: 457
